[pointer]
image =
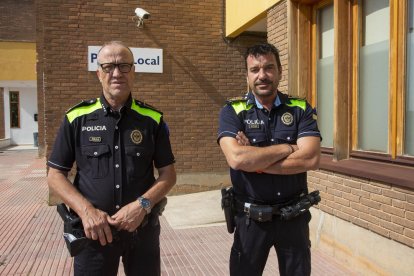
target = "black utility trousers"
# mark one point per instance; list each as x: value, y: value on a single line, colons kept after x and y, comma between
x: 253, y: 241
x: 140, y: 252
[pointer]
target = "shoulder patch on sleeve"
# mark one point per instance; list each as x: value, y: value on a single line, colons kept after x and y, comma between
x: 314, y: 114
x: 82, y: 103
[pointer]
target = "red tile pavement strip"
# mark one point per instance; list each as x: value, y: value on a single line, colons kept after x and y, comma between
x: 31, y: 240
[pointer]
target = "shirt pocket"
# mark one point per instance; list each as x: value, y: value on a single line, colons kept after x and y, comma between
x: 139, y: 161
x: 286, y: 136
x: 257, y: 138
x: 98, y: 156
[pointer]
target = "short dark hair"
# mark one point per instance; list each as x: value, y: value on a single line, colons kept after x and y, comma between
x: 262, y: 49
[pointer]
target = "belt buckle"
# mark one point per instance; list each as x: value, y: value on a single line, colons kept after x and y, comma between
x: 246, y: 208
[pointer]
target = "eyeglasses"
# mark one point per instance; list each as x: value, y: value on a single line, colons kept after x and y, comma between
x: 110, y: 67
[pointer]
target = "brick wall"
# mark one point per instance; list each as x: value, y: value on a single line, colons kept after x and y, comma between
x: 384, y: 209
x: 17, y: 20
x: 277, y: 35
x: 200, y: 70
x: 41, y: 83
x: 2, y: 129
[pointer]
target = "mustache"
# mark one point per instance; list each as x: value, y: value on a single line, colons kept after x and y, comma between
x: 263, y: 82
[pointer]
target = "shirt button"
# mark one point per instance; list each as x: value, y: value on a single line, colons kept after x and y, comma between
x: 138, y: 154
x: 117, y: 186
x: 95, y: 153
x: 272, y: 140
x: 117, y: 206
x: 116, y: 166
x: 254, y: 140
x: 116, y: 127
x: 116, y: 147
x: 288, y: 138
x: 278, y: 193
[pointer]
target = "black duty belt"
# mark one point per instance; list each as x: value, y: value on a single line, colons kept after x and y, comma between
x: 285, y: 211
x: 257, y: 212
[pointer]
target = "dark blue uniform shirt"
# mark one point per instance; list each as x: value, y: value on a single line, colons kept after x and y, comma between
x: 115, y: 152
x: 289, y: 120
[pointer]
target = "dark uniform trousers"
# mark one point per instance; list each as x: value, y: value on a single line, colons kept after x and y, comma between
x: 253, y: 241
x: 140, y: 252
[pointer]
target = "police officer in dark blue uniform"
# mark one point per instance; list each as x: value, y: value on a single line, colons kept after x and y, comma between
x: 115, y: 141
x: 270, y: 140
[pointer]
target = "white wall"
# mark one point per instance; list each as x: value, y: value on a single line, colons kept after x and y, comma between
x: 28, y: 107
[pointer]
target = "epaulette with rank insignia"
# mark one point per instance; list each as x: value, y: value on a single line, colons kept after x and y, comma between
x: 144, y: 104
x: 82, y: 108
x: 236, y: 99
x: 296, y: 98
x: 239, y: 103
x: 82, y: 103
x: 146, y: 110
x: 295, y: 101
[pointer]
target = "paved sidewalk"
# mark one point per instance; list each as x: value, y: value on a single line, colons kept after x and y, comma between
x: 193, y: 242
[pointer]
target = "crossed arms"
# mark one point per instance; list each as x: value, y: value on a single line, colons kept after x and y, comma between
x: 275, y: 159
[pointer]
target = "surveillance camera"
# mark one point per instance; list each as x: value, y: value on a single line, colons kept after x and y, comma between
x: 141, y: 13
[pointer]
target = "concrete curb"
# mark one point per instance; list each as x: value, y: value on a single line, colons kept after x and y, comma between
x: 194, y: 210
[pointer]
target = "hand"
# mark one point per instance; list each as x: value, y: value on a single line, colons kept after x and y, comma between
x: 95, y: 224
x: 292, y: 147
x: 129, y: 217
x: 242, y: 139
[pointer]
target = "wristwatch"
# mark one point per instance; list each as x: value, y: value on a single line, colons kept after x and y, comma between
x: 145, y: 204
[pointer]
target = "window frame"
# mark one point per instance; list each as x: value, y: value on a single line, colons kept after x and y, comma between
x: 342, y: 87
x: 397, y: 84
x: 18, y: 108
x: 315, y: 42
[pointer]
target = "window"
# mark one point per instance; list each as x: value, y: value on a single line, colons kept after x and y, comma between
x: 325, y: 73
x: 409, y: 106
x: 14, y: 109
x: 372, y: 94
x: 361, y: 61
x: 361, y: 57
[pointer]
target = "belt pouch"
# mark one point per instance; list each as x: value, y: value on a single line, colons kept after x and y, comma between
x: 260, y: 213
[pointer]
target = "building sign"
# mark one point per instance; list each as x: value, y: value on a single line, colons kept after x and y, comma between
x: 146, y: 60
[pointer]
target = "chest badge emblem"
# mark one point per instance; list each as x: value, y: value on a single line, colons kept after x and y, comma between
x: 136, y: 136
x: 287, y: 118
